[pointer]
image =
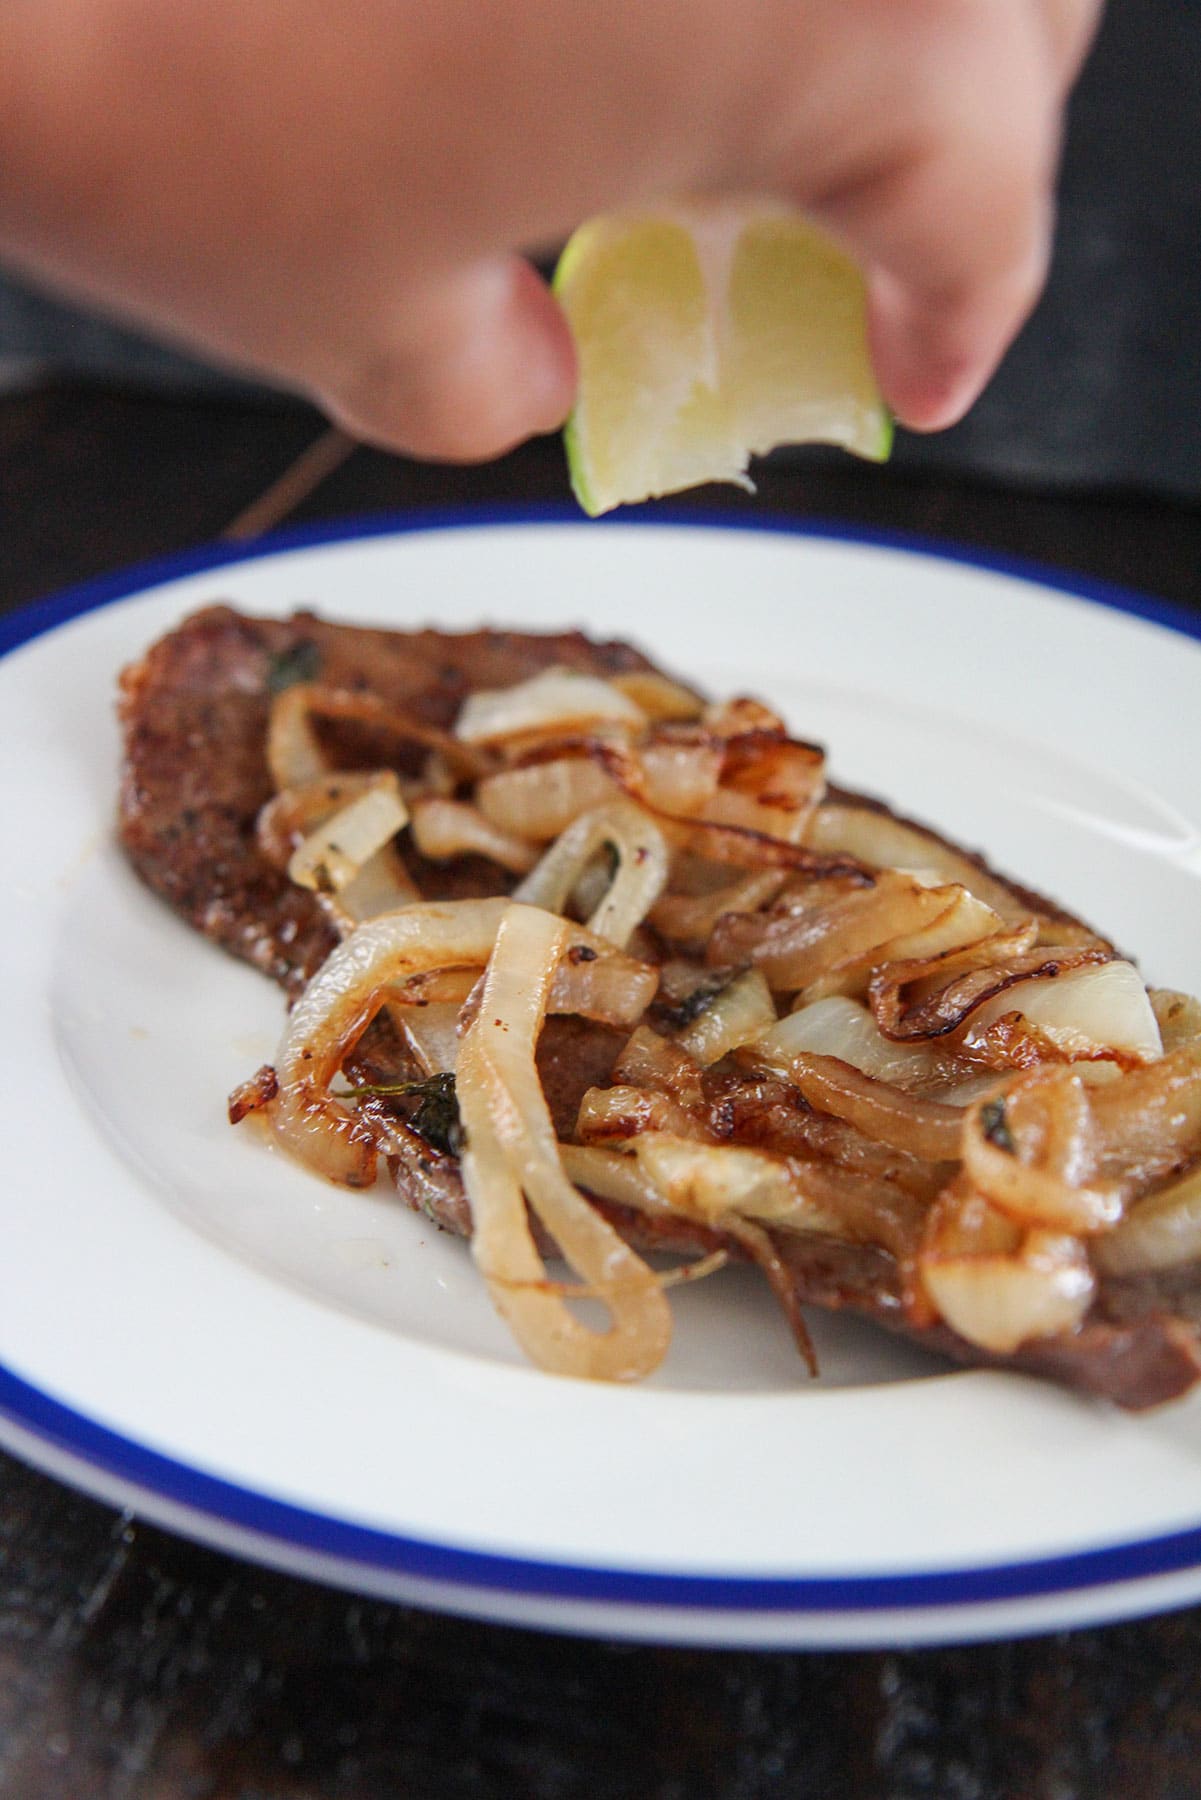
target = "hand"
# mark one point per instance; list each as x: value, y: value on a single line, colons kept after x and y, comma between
x: 339, y: 198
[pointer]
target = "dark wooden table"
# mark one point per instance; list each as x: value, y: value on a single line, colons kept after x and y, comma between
x: 135, y: 1665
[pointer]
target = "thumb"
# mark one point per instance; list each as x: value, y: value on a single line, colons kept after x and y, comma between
x: 476, y: 362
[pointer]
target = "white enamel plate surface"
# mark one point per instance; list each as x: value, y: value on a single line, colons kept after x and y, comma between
x: 193, y: 1327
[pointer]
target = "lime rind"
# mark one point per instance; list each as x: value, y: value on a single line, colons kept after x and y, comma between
x: 573, y: 446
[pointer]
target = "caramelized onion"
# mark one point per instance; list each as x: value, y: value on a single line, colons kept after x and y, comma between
x: 1092, y: 1010
x: 336, y: 1008
x: 294, y: 753
x: 924, y: 1013
x: 769, y: 783
x: 332, y: 855
x: 619, y: 1114
x: 444, y: 828
x: 553, y: 701
x: 843, y: 1028
x: 924, y: 1128
x: 689, y: 919
x: 599, y: 981
x: 613, y: 1176
x: 378, y: 885
x: 542, y: 799
x: 640, y: 876
x: 1047, y: 1180
x: 1162, y: 1231
x: 821, y: 929
x: 1177, y: 1015
x: 431, y: 1033
x: 739, y: 1012
x: 294, y: 756
x: 710, y: 1181
x: 1148, y: 1122
x: 657, y: 695
x: 997, y: 1287
x: 663, y: 1065
x: 875, y: 837
x: 512, y: 1157
x: 679, y: 777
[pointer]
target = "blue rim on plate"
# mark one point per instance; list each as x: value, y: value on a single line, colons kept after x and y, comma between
x: 60, y: 1429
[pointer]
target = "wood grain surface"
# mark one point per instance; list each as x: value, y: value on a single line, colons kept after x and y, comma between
x: 137, y: 1666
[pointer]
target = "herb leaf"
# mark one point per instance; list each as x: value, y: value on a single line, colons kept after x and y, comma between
x: 301, y: 661
x: 436, y: 1118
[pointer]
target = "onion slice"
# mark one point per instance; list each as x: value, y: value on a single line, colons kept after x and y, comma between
x: 377, y: 885
x: 642, y: 864
x: 1050, y: 1187
x: 879, y: 839
x: 330, y: 857
x: 739, y: 1012
x: 925, y: 1128
x: 995, y: 1285
x: 554, y: 700
x: 443, y: 828
x: 512, y: 1157
x: 710, y: 1182
x: 294, y: 752
x: 336, y: 1008
x: 1083, y: 1012
x: 1161, y: 1232
x: 841, y: 1027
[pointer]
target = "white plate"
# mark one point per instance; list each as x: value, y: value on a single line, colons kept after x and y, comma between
x: 190, y: 1326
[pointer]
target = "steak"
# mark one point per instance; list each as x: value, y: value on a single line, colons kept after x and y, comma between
x: 194, y: 714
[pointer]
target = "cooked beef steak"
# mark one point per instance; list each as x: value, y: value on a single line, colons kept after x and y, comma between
x: 195, y: 711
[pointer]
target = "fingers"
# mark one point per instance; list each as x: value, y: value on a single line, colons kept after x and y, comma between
x: 1071, y: 26
x: 957, y: 261
x: 476, y: 362
x: 953, y: 220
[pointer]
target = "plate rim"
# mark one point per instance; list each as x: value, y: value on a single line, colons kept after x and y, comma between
x: 34, y: 618
x: 212, y: 1503
x: 218, y: 1502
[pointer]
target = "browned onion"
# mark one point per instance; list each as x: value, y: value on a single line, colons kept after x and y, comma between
x: 650, y: 1061
x: 924, y: 1128
x: 824, y: 928
x: 539, y: 800
x: 337, y: 1006
x: 769, y: 783
x: 689, y: 919
x: 1148, y: 1123
x: 1178, y: 1016
x: 1163, y: 1231
x: 444, y: 828
x: 642, y: 864
x: 934, y: 1014
x: 512, y: 1157
x: 997, y: 1286
x: 841, y: 1027
x: 378, y: 885
x: 657, y: 695
x: 333, y: 854
x: 619, y: 1114
x: 294, y: 753
x: 877, y: 838
x: 1048, y: 1181
x: 600, y: 982
x: 736, y: 1014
